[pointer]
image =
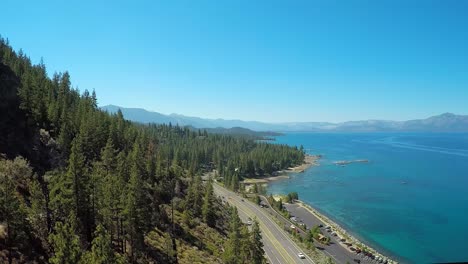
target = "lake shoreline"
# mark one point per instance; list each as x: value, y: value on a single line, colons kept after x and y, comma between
x: 342, y: 232
x: 309, y: 161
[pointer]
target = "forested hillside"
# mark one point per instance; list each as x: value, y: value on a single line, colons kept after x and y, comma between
x: 79, y: 185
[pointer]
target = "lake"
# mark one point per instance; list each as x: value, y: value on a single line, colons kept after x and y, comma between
x: 410, y: 201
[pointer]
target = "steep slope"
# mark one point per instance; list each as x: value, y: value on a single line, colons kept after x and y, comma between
x: 80, y: 185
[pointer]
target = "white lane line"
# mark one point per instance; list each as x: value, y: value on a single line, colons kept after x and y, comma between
x: 235, y: 201
x: 294, y: 244
x: 283, y: 233
x: 275, y: 226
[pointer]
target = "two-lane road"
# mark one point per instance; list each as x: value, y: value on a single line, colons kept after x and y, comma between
x: 278, y: 246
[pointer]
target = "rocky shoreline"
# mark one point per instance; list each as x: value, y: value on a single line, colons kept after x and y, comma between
x: 344, y: 234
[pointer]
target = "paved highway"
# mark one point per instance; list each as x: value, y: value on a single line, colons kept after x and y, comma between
x: 278, y: 246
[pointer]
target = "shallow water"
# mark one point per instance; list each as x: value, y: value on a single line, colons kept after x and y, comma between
x: 410, y: 201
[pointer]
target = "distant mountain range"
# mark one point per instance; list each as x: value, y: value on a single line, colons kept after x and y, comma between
x: 447, y: 122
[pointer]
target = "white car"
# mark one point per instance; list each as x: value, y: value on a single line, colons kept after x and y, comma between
x: 301, y: 256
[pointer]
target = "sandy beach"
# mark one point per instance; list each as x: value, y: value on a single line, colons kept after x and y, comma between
x: 309, y: 161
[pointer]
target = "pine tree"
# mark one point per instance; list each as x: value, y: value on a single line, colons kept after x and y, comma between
x: 135, y: 205
x: 245, y: 255
x: 107, y: 170
x: 232, y: 245
x: 101, y: 249
x: 11, y: 211
x: 79, y: 175
x: 65, y: 243
x: 194, y: 199
x: 257, y: 251
x: 109, y: 186
x: 61, y: 195
x: 37, y: 213
x: 208, y: 212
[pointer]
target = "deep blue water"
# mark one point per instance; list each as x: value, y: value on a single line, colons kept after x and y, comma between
x: 410, y: 201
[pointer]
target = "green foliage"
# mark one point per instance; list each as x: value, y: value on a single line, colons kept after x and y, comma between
x: 257, y: 199
x: 256, y: 244
x: 65, y: 243
x: 243, y: 246
x: 12, y: 211
x: 208, y: 209
x: 232, y: 245
x: 250, y: 159
x: 101, y: 250
x: 313, y: 234
x: 37, y: 213
x: 278, y: 205
x: 291, y: 197
x: 194, y: 198
x: 100, y: 181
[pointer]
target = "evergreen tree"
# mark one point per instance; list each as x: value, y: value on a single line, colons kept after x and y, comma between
x: 101, y: 250
x: 245, y: 255
x: 232, y: 245
x: 135, y: 205
x: 79, y: 174
x: 208, y: 212
x: 37, y: 213
x: 194, y: 198
x: 99, y: 168
x: 257, y: 251
x: 11, y: 211
x: 65, y: 243
x: 61, y: 196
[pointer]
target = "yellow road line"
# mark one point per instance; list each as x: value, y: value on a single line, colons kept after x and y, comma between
x: 285, y: 235
x: 266, y: 230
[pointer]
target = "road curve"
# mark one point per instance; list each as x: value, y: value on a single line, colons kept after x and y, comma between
x: 278, y: 246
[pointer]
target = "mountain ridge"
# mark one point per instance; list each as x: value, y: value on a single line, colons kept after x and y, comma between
x: 446, y: 122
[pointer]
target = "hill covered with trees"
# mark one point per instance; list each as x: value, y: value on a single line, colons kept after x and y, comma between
x: 80, y: 185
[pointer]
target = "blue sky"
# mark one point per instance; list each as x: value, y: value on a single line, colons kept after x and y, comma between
x: 255, y: 60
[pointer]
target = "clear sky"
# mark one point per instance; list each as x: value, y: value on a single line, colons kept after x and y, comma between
x: 255, y: 60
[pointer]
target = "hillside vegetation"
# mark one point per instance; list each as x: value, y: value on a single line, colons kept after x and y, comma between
x: 79, y: 185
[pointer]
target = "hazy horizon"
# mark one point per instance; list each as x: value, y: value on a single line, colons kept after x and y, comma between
x: 268, y: 61
x: 277, y: 122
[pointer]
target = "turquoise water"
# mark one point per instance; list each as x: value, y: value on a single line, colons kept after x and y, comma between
x: 410, y: 201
